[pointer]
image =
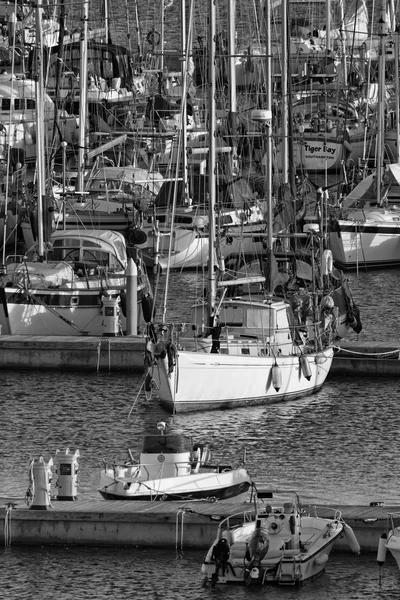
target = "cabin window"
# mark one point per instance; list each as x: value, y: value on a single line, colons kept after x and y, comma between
x: 232, y: 315
x: 19, y: 104
x: 107, y: 65
x: 30, y: 104
x: 96, y: 257
x: 6, y: 104
x: 264, y: 319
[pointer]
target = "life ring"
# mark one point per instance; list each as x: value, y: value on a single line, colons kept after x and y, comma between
x: 153, y: 38
x: 327, y: 262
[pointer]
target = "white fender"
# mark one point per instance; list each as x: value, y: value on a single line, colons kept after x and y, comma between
x: 305, y: 367
x: 381, y: 556
x: 351, y: 539
x: 276, y: 377
x: 327, y: 262
x: 321, y: 559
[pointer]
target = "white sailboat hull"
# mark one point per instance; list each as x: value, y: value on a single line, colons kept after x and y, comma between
x: 201, y: 381
x: 369, y: 243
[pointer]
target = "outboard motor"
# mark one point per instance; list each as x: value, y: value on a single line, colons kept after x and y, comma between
x: 40, y: 476
x: 67, y: 468
x: 220, y: 556
x: 257, y: 549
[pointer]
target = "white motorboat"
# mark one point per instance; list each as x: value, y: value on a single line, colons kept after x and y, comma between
x: 172, y: 467
x: 279, y: 542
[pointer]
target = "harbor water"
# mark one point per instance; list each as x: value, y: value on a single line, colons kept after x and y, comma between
x: 337, y: 446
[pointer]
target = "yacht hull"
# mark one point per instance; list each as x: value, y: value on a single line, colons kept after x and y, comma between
x: 203, y: 381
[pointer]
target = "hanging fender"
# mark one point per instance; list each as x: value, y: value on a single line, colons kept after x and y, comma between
x: 276, y: 377
x: 381, y: 556
x: 305, y: 367
x: 327, y: 262
x: 292, y: 524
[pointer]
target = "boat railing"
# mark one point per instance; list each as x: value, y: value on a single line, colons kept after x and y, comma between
x: 311, y: 510
x: 235, y: 520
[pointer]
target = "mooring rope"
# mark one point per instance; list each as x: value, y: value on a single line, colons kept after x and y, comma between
x: 7, y: 523
x: 179, y: 551
x: 366, y: 354
x: 99, y: 352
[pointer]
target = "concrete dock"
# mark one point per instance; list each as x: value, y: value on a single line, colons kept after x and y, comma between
x: 88, y: 353
x: 372, y: 359
x: 154, y: 524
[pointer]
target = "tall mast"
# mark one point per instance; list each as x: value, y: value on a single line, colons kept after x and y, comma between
x: 381, y: 99
x: 40, y: 161
x: 232, y: 119
x: 268, y: 174
x: 211, y: 157
x: 284, y: 83
x: 83, y: 98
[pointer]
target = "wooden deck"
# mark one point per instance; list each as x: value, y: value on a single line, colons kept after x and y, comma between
x: 155, y: 524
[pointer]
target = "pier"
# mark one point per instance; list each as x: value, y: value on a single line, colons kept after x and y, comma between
x: 369, y: 359
x: 91, y: 353
x: 88, y: 353
x: 154, y: 524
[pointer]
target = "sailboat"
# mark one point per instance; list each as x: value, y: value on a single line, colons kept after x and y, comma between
x: 71, y: 282
x: 365, y: 228
x: 247, y: 346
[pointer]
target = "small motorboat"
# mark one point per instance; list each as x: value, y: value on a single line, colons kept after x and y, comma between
x: 390, y: 540
x: 277, y: 542
x: 172, y: 467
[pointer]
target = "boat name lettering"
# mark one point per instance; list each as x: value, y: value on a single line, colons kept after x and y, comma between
x: 314, y: 149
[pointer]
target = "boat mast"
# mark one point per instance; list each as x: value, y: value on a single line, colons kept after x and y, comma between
x: 83, y: 98
x: 268, y: 175
x: 211, y: 299
x: 284, y: 84
x: 381, y: 100
x: 40, y: 160
x: 232, y: 118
